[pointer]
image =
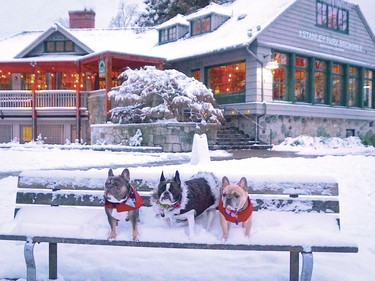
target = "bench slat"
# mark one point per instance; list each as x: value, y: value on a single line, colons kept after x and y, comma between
x: 296, y: 205
x: 294, y: 188
x: 75, y: 184
x: 65, y: 199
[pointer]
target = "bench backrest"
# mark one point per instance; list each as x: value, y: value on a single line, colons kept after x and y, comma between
x: 301, y: 194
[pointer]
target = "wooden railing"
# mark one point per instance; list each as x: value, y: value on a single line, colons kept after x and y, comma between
x: 45, y: 98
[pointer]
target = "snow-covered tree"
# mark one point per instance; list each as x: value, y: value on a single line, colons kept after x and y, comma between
x: 148, y: 95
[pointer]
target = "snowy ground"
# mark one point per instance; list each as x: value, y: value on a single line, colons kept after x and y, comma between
x: 350, y: 163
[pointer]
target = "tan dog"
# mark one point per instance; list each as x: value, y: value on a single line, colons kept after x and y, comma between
x: 235, y: 206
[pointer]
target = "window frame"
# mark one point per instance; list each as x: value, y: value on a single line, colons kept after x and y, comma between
x: 332, y: 17
x: 58, y: 46
x: 201, y: 25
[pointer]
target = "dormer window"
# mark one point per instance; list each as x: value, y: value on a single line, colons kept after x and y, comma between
x: 201, y: 25
x: 58, y: 46
x: 168, y: 34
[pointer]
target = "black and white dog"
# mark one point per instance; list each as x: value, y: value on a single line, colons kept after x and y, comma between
x: 179, y: 201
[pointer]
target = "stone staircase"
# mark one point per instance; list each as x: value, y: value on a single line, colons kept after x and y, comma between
x: 232, y: 138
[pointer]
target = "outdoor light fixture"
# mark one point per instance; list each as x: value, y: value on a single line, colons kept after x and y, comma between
x: 272, y: 65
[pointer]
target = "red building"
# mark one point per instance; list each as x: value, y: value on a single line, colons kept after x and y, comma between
x: 44, y: 87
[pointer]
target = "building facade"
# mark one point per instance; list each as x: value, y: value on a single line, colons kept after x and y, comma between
x: 278, y: 68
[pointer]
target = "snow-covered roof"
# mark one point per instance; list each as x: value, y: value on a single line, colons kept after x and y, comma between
x: 233, y: 33
x: 178, y: 19
x: 212, y: 8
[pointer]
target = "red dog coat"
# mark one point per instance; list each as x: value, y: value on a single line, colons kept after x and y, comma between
x: 234, y: 216
x: 132, y: 202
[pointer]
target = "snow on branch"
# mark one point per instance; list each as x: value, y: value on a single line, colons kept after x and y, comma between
x: 149, y: 95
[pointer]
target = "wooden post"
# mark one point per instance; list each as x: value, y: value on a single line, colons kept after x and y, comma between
x: 34, y: 112
x: 78, y: 103
x: 108, y: 83
x: 30, y: 261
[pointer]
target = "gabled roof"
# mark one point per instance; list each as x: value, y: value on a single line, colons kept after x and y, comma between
x: 56, y: 28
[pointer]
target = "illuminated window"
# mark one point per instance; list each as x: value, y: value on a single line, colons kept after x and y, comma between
x: 353, y: 87
x: 337, y: 87
x: 320, y: 78
x: 332, y: 17
x: 196, y: 74
x: 301, y: 79
x: 367, y: 89
x: 201, y: 25
x: 280, y: 77
x: 229, y: 78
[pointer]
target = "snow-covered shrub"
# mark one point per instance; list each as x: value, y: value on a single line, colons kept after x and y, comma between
x: 148, y: 95
x: 136, y: 140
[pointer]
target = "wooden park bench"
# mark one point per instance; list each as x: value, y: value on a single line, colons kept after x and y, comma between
x: 314, y: 200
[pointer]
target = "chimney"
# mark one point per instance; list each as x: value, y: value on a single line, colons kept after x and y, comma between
x: 82, y: 19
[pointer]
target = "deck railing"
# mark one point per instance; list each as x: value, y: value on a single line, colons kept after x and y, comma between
x: 45, y: 98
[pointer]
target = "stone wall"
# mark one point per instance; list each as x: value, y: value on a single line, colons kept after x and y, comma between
x: 276, y: 128
x: 171, y: 137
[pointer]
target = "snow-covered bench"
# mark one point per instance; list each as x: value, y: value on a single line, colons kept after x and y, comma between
x: 299, y: 215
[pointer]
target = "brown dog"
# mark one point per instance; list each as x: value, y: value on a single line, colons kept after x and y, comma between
x: 235, y: 206
x: 121, y: 197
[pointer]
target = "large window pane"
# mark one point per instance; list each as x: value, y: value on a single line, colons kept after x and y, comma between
x: 353, y: 87
x: 367, y: 89
x: 320, y: 78
x: 301, y: 75
x: 227, y: 78
x: 280, y: 77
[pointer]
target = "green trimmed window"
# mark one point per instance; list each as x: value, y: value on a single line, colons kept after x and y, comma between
x: 59, y: 46
x: 280, y: 77
x: 320, y: 81
x: 331, y: 17
x: 368, y: 88
x: 301, y: 79
x: 168, y: 35
x: 201, y: 25
x: 337, y: 86
x: 228, y: 82
x: 353, y: 86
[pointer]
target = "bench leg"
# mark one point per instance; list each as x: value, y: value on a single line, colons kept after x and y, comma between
x: 307, y: 266
x: 294, y: 266
x: 52, y: 261
x: 30, y: 261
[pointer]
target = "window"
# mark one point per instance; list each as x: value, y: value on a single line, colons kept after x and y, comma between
x: 301, y: 78
x: 280, y: 77
x: 367, y: 88
x: 337, y: 87
x: 196, y: 74
x: 167, y: 35
x: 320, y: 78
x: 353, y: 87
x: 59, y: 46
x: 201, y: 25
x: 332, y: 17
x: 229, y: 79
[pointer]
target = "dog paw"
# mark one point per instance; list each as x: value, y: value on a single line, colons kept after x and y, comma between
x: 224, y: 239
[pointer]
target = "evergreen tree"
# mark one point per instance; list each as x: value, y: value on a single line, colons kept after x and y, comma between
x: 159, y: 11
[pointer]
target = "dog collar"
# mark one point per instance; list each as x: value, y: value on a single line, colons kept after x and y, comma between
x: 132, y: 202
x: 236, y: 216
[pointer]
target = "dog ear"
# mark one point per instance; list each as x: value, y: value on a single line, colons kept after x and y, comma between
x: 110, y: 173
x: 162, y: 178
x: 126, y: 174
x: 225, y: 182
x: 243, y: 183
x: 177, y: 177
